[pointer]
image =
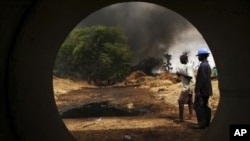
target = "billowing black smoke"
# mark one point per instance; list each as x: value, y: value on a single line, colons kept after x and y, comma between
x: 151, y: 29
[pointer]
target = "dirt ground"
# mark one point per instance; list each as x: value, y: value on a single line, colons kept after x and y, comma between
x: 142, y: 110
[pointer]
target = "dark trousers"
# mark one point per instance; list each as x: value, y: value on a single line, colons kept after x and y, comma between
x: 202, y: 110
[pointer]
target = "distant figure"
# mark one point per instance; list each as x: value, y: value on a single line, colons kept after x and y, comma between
x: 186, y: 74
x: 215, y: 73
x: 203, y: 90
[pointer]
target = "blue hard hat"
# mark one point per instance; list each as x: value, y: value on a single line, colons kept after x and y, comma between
x: 202, y: 51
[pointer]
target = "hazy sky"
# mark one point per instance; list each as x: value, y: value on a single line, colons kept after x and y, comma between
x: 152, y: 30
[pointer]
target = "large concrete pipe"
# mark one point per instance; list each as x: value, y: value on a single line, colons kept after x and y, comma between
x: 32, y: 32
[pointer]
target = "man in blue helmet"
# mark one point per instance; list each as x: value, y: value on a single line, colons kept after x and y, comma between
x: 203, y: 90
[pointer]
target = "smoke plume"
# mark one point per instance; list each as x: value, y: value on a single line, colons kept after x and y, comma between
x: 152, y: 30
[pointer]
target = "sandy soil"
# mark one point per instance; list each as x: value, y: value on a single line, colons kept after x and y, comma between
x: 153, y: 99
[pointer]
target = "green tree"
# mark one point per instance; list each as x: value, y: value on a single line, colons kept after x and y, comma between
x: 96, y: 53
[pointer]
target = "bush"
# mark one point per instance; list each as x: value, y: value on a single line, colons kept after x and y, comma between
x: 94, y: 53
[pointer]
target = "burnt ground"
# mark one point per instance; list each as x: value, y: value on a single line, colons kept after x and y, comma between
x: 136, y: 113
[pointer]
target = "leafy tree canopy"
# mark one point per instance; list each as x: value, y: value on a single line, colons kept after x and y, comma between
x: 96, y: 53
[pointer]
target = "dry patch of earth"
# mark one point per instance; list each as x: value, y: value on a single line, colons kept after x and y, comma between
x: 141, y: 110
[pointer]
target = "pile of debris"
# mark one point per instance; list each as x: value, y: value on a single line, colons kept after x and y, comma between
x: 170, y: 76
x: 137, y: 78
x: 141, y: 78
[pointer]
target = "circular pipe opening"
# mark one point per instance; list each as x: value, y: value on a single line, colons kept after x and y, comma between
x: 30, y: 80
x: 151, y: 35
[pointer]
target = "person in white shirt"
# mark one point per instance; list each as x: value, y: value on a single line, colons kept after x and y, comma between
x: 186, y: 74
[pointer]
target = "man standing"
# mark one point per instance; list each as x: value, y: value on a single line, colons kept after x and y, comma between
x: 187, y: 78
x: 203, y: 90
